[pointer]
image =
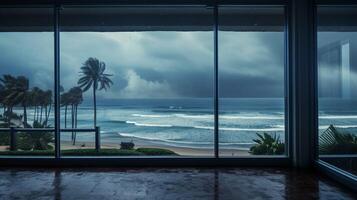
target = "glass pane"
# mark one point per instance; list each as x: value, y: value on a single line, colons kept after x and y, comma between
x: 251, y: 81
x: 154, y: 96
x: 337, y: 43
x: 26, y: 81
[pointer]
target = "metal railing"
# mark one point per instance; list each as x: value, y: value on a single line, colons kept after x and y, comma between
x: 14, y: 130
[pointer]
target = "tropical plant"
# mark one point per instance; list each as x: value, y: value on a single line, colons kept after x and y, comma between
x: 127, y: 145
x: 92, y: 75
x: 4, y: 136
x: 267, y: 144
x: 39, y: 140
x: 17, y: 93
x: 332, y: 141
x: 7, y: 82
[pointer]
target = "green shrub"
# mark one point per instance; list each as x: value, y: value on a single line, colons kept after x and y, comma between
x: 39, y: 140
x: 267, y: 145
x: 4, y: 138
x: 155, y: 151
x: 332, y: 141
x: 127, y: 145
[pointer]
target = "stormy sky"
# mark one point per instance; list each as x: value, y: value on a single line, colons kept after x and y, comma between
x: 154, y: 64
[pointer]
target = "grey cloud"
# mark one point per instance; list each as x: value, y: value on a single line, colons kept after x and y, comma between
x: 178, y: 63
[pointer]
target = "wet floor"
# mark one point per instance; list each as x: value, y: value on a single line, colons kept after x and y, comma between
x: 172, y: 183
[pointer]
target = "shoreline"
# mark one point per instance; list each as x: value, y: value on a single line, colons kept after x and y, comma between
x: 182, y: 151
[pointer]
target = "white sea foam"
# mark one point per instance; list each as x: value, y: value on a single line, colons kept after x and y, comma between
x: 241, y: 129
x: 338, y: 117
x: 149, y: 125
x: 194, y: 116
x: 205, y: 116
x: 208, y: 127
x: 180, y: 142
x: 266, y: 117
x: 339, y: 126
x: 150, y: 116
x: 160, y: 139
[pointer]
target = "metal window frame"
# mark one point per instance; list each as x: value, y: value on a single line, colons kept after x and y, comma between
x: 214, y: 160
x: 347, y: 179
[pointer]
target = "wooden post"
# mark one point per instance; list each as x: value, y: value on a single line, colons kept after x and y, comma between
x: 97, y: 138
x: 12, y: 139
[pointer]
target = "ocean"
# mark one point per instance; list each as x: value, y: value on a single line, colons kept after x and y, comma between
x: 185, y: 122
x: 189, y: 122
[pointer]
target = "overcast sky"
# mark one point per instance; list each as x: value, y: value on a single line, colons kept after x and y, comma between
x: 154, y: 64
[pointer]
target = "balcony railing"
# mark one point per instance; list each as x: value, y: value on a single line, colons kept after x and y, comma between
x: 13, y: 131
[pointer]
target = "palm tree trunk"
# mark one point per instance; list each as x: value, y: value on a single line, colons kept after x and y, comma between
x: 9, y: 110
x: 34, y: 113
x: 41, y: 115
x: 95, y: 105
x: 25, y: 117
x: 72, y: 120
x: 65, y: 117
x: 75, y: 124
x: 49, y: 112
x: 45, y: 115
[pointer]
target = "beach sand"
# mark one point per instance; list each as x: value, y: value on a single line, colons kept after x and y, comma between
x: 182, y: 151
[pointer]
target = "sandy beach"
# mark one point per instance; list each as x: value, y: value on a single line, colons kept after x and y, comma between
x: 182, y: 151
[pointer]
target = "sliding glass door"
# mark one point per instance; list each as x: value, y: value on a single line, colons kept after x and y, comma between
x: 337, y: 45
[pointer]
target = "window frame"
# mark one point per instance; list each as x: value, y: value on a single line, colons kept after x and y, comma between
x: 336, y: 173
x: 216, y: 160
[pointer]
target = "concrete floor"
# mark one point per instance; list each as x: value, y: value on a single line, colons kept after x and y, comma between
x: 182, y: 183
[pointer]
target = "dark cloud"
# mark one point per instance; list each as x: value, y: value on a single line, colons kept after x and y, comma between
x: 154, y: 64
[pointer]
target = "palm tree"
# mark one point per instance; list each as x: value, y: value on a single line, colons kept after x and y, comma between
x: 93, y: 76
x: 65, y: 101
x: 76, y: 98
x: 47, y: 103
x: 35, y: 102
x: 8, y: 82
x: 19, y: 95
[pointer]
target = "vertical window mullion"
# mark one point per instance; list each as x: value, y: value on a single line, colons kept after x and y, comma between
x: 216, y: 103
x: 57, y: 82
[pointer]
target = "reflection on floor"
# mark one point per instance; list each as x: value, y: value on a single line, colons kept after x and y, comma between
x: 183, y: 183
x: 345, y: 162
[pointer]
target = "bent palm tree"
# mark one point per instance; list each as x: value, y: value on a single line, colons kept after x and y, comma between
x: 8, y: 82
x: 93, y: 76
x: 19, y: 95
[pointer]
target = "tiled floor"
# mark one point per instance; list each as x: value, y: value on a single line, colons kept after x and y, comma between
x: 182, y: 183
